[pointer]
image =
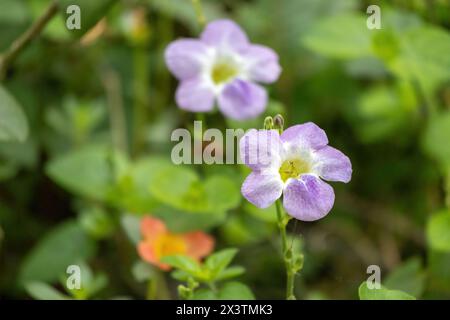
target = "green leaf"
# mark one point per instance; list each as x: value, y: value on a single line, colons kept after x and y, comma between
x: 13, y: 123
x: 268, y: 214
x: 91, y: 12
x: 245, y: 229
x: 381, y: 294
x: 181, y: 275
x: 214, y: 270
x: 23, y: 154
x: 438, y: 231
x: 75, y: 120
x: 436, y: 137
x: 439, y: 274
x: 181, y: 221
x: 184, y: 11
x: 366, y: 68
x: 222, y: 193
x: 381, y: 112
x: 90, y: 171
x: 231, y: 272
x: 90, y: 283
x: 184, y: 263
x: 8, y: 170
x: 96, y: 222
x: 408, y: 277
x: 48, y: 260
x: 131, y: 225
x: 98, y: 283
x: 229, y: 291
x: 13, y: 12
x: 343, y: 36
x: 132, y: 192
x: 294, y: 19
x: 56, y: 27
x: 425, y: 56
x: 142, y: 271
x: 42, y: 291
x: 385, y: 45
x: 181, y: 188
x: 204, y: 294
x: 235, y: 291
x: 218, y: 261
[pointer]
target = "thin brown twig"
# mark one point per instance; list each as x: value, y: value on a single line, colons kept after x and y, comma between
x: 31, y: 33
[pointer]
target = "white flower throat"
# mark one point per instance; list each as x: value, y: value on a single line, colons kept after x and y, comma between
x: 293, y: 168
x: 224, y: 70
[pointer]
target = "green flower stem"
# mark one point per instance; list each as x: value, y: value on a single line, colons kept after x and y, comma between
x: 283, y: 220
x: 157, y: 287
x: 199, y: 12
x: 118, y: 127
x: 151, y: 289
x: 200, y: 116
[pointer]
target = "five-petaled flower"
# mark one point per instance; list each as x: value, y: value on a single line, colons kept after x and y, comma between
x: 158, y: 242
x: 222, y: 65
x: 293, y: 164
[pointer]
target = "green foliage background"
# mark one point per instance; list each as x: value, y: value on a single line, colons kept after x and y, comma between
x: 85, y: 124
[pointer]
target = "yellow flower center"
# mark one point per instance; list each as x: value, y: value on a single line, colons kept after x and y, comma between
x: 223, y: 71
x: 169, y: 244
x: 293, y: 169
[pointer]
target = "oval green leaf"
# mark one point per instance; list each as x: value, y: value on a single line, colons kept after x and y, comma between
x: 13, y: 123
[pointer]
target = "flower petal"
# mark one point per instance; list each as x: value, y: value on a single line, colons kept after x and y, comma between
x: 225, y: 34
x: 308, y: 198
x: 262, y: 189
x: 262, y: 63
x: 147, y: 253
x: 199, y: 244
x: 152, y: 228
x: 242, y: 100
x: 307, y: 135
x: 194, y: 95
x: 331, y: 164
x: 261, y: 149
x: 185, y: 57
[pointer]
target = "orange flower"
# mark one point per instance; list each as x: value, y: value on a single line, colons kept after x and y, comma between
x: 158, y: 242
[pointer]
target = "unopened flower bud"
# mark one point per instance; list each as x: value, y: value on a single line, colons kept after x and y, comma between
x: 268, y: 123
x: 278, y: 122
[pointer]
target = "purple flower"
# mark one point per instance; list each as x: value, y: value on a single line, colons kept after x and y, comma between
x: 295, y: 165
x: 222, y: 65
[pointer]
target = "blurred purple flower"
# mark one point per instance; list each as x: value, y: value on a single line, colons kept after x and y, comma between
x: 294, y: 165
x: 222, y: 65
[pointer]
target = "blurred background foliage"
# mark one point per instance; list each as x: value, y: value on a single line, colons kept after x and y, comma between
x: 85, y: 124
